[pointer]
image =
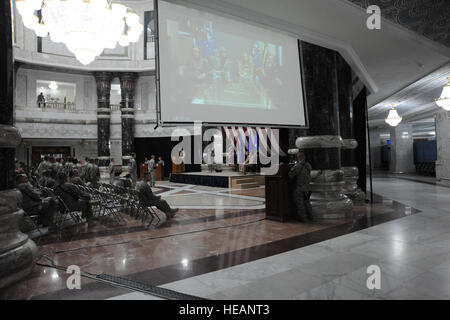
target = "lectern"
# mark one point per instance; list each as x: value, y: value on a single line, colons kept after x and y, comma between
x: 143, y: 170
x: 279, y: 203
x: 177, y: 168
x: 159, y: 173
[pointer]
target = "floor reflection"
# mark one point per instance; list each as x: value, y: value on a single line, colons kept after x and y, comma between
x: 195, y: 242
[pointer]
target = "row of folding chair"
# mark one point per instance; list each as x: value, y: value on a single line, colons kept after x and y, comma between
x: 104, y: 204
x: 135, y: 207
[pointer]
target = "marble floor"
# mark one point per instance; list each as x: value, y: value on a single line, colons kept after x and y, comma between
x: 220, y: 246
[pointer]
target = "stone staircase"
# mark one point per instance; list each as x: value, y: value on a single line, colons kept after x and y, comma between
x: 247, y: 182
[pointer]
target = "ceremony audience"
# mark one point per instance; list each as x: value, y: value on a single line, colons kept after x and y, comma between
x: 74, y: 198
x: 35, y: 203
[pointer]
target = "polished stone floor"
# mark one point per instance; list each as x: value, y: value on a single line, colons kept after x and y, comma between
x: 219, y: 246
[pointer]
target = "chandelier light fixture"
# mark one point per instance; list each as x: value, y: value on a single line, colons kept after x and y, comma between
x: 86, y: 27
x: 444, y: 100
x: 393, y: 119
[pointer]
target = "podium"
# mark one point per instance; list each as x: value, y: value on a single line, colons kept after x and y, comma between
x: 279, y: 203
x: 159, y: 173
x: 177, y: 168
x: 143, y: 169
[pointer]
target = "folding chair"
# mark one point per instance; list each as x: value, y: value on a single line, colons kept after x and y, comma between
x: 110, y: 206
x: 65, y: 215
x: 148, y: 213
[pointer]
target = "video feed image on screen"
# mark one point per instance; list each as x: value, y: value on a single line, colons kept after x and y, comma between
x: 212, y: 64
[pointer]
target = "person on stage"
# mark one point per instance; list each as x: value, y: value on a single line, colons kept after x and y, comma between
x: 152, y: 170
x: 182, y: 156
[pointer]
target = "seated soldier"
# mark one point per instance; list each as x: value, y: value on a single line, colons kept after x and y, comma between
x: 43, y: 179
x: 149, y: 199
x: 50, y: 182
x: 123, y: 180
x: 74, y: 198
x: 34, y: 203
x: 75, y: 179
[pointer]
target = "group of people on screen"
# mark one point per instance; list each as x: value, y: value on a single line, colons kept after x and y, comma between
x: 215, y: 74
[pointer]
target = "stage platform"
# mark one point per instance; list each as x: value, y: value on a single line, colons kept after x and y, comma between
x: 224, y: 179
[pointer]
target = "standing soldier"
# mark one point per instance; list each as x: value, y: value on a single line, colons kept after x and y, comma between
x: 152, y: 170
x: 161, y: 163
x: 43, y: 166
x: 88, y: 171
x: 95, y: 173
x: 60, y: 165
x: 79, y: 166
x: 133, y: 168
x: 112, y: 171
x: 54, y: 166
x: 301, y: 174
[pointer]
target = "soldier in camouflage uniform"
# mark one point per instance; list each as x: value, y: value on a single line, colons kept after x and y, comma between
x: 301, y: 176
x: 95, y: 174
x: 132, y: 166
x: 45, y: 165
x: 88, y: 171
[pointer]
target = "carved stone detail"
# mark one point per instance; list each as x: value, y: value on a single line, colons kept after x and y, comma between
x: 349, y: 144
x: 322, y: 141
x: 328, y: 200
x: 351, y: 188
x: 17, y: 251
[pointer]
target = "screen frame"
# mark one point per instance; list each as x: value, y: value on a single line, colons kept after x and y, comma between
x: 160, y: 122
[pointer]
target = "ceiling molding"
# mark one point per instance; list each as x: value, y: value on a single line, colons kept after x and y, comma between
x: 66, y: 69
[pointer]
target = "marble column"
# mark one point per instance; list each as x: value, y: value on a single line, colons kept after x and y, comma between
x: 443, y: 146
x: 402, y: 149
x: 103, y: 80
x: 322, y: 141
x: 17, y: 251
x: 346, y: 127
x: 127, y: 86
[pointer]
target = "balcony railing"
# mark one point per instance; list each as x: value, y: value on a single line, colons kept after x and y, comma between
x: 69, y: 106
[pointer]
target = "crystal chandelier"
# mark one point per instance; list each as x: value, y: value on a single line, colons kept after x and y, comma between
x: 444, y: 100
x: 393, y: 119
x: 86, y: 27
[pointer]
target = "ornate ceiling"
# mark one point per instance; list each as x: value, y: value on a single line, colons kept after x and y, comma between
x: 430, y: 18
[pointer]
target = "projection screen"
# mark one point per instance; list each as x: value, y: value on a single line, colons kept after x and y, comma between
x: 217, y: 70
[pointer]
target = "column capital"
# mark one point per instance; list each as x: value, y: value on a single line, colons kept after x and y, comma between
x: 128, y: 76
x: 103, y: 76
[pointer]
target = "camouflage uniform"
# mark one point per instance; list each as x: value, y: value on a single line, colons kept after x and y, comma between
x: 133, y: 170
x: 88, y: 172
x: 152, y: 170
x: 95, y: 175
x: 44, y: 166
x: 301, y: 174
